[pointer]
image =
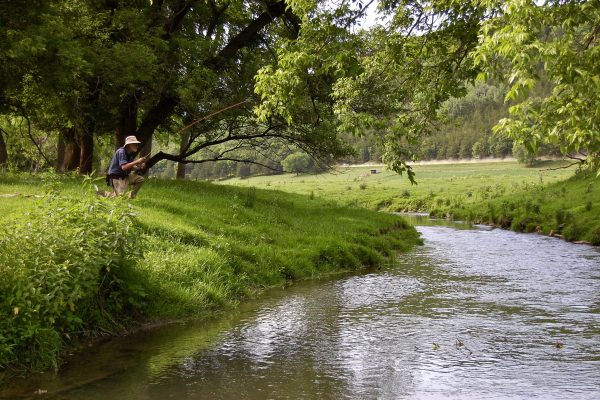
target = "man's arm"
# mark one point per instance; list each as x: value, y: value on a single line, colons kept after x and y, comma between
x: 131, y: 165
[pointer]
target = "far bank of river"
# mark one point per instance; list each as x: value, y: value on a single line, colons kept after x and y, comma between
x: 474, y: 313
x: 547, y: 197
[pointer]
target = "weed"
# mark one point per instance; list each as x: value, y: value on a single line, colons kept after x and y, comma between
x: 559, y: 216
x: 53, y: 260
x: 250, y: 197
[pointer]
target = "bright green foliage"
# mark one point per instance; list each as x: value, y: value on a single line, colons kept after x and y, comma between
x: 308, y: 71
x: 62, y: 269
x: 526, y: 42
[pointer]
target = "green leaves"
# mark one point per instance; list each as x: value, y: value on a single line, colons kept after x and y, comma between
x: 527, y: 44
x: 58, y: 266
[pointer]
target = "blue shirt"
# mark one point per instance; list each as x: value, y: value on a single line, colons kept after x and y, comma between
x: 120, y: 158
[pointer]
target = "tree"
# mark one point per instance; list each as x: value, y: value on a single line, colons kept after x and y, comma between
x: 3, y: 153
x: 527, y: 42
x: 523, y: 155
x: 296, y: 162
x: 299, y: 73
x: 96, y: 68
x: 391, y: 80
x: 479, y: 150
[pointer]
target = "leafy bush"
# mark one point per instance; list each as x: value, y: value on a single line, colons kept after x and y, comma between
x: 62, y: 268
x: 522, y: 155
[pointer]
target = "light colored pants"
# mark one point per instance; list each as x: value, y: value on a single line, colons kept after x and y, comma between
x: 120, y: 185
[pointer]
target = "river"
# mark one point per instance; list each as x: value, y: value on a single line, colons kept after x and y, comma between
x: 473, y: 314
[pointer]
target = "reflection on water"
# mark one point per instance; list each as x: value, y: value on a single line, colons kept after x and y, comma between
x: 471, y: 314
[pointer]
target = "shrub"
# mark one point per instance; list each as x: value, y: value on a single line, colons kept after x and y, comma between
x: 573, y: 231
x: 62, y: 268
x: 523, y: 155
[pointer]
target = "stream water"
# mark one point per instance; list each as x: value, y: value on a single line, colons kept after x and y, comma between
x: 472, y: 314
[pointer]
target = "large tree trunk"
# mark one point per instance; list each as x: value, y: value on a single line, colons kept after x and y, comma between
x: 3, y: 152
x: 72, y: 151
x: 156, y: 116
x: 146, y: 148
x: 185, y: 137
x: 87, y: 150
x: 127, y: 123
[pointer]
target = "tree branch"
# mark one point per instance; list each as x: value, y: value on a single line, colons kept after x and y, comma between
x: 247, y: 35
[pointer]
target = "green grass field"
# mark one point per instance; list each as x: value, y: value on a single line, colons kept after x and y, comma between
x: 507, y: 194
x: 389, y: 191
x: 202, y: 248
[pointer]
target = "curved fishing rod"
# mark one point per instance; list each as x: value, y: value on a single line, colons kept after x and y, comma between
x: 211, y: 115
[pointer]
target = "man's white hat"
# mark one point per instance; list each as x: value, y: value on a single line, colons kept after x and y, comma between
x: 131, y: 140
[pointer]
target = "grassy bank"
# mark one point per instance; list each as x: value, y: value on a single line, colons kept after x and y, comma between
x: 508, y: 194
x: 75, y: 264
x: 568, y: 208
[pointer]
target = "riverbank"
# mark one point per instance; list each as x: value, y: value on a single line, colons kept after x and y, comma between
x: 75, y: 265
x: 568, y: 209
x: 545, y: 198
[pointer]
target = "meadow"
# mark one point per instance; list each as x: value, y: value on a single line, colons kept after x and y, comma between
x: 75, y: 266
x: 544, y: 198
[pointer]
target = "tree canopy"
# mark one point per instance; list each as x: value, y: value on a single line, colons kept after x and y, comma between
x: 526, y: 43
x: 246, y: 75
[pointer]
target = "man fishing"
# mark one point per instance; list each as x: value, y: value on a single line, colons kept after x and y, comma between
x: 123, y: 169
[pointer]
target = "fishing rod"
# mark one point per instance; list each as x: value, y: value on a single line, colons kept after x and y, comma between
x: 211, y: 115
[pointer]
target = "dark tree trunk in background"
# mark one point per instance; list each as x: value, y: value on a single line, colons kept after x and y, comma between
x: 185, y: 137
x: 3, y: 153
x: 87, y: 150
x: 61, y: 146
x: 127, y: 123
x: 72, y: 152
x: 146, y: 150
